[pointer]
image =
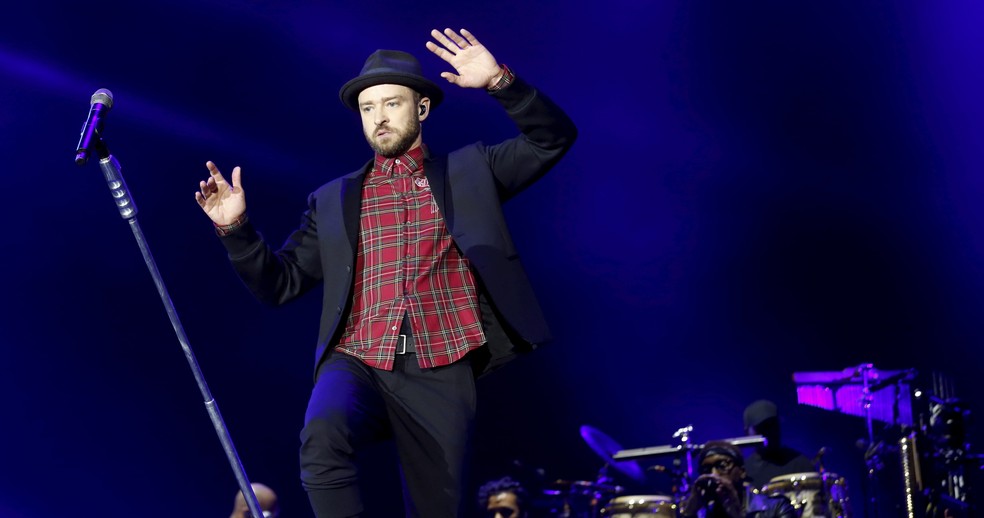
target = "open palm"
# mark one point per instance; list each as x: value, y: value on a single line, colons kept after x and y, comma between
x: 474, y: 63
x: 222, y: 202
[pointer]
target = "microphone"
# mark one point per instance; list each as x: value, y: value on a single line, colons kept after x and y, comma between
x: 707, y: 487
x: 99, y: 107
x: 820, y: 453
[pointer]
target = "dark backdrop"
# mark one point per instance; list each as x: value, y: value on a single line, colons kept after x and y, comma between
x: 759, y: 189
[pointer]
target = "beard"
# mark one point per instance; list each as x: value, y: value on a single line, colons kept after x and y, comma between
x: 404, y: 138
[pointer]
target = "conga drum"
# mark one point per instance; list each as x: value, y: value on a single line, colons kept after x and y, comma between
x: 641, y: 506
x: 813, y: 494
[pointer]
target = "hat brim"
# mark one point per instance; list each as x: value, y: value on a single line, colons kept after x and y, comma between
x: 349, y: 94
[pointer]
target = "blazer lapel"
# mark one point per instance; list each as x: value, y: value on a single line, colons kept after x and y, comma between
x: 436, y: 171
x: 351, y: 194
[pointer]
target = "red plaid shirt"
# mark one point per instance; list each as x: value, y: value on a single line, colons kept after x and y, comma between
x: 407, y: 263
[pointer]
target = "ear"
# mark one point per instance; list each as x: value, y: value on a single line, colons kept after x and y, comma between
x: 423, y: 108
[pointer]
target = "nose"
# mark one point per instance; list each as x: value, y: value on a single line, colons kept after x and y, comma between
x: 380, y: 117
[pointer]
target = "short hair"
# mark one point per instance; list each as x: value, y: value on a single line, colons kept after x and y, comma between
x: 721, y: 448
x: 502, y: 485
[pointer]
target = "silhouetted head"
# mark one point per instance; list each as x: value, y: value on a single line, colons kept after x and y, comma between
x: 264, y: 496
x: 762, y: 418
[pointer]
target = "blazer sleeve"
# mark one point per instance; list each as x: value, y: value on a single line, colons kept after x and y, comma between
x: 546, y: 133
x: 277, y: 276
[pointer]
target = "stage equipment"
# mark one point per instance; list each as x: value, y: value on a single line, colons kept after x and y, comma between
x: 641, y: 506
x: 576, y: 498
x: 863, y: 391
x: 813, y: 494
x: 683, y: 454
x: 605, y: 447
x: 923, y: 434
x: 92, y: 139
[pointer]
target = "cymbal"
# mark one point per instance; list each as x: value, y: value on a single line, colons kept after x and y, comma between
x: 605, y: 447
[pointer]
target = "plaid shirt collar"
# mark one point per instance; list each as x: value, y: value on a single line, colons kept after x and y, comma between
x: 414, y: 159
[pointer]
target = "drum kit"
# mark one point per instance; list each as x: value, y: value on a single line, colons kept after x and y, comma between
x: 601, y: 498
x: 878, y: 396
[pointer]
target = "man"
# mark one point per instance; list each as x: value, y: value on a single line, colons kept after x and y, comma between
x: 264, y: 496
x: 772, y: 459
x: 422, y: 284
x: 503, y: 498
x: 721, y: 491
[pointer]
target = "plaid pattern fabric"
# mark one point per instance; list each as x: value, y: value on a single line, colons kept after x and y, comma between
x: 225, y: 230
x: 507, y: 79
x: 407, y: 263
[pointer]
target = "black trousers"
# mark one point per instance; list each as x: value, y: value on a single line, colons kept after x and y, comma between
x: 429, y: 413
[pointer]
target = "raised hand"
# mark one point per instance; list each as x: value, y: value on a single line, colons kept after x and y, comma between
x: 476, y: 66
x: 221, y: 201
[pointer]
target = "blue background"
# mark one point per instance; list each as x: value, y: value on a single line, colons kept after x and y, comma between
x: 759, y: 188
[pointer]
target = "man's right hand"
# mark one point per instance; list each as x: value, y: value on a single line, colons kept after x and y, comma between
x: 222, y: 202
x: 712, y: 488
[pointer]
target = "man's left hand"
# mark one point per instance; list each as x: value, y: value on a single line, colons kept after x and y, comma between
x: 476, y: 66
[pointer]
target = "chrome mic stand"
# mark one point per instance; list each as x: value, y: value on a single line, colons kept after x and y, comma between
x: 128, y: 210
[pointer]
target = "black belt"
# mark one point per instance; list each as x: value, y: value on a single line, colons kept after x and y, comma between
x: 404, y: 344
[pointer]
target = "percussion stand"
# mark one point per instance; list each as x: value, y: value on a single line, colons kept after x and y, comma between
x: 872, y: 461
x: 602, y: 479
x: 866, y: 399
x: 947, y: 435
x: 683, y: 434
x: 128, y: 210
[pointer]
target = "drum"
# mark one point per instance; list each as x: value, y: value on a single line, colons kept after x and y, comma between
x: 813, y: 494
x: 574, y: 498
x: 641, y: 506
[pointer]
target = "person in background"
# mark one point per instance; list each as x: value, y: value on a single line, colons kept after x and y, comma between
x: 503, y: 498
x: 264, y: 496
x: 721, y: 492
x: 772, y: 459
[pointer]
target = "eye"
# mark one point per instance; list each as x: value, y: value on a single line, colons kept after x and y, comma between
x: 392, y: 104
x: 366, y: 109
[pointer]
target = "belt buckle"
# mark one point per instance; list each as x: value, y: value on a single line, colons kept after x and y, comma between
x: 401, y: 344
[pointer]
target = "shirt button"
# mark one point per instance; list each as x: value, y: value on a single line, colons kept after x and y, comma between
x: 393, y: 328
x: 398, y: 161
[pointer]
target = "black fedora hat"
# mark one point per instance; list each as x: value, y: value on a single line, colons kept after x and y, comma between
x: 390, y: 67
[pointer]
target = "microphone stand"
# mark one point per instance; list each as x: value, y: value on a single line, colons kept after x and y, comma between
x: 128, y: 210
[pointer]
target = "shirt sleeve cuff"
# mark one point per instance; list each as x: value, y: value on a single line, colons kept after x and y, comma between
x: 504, y: 81
x: 225, y: 230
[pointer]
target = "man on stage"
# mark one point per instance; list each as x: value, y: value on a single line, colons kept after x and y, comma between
x: 423, y: 287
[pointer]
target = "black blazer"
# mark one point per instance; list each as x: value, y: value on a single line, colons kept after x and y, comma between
x: 469, y: 186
